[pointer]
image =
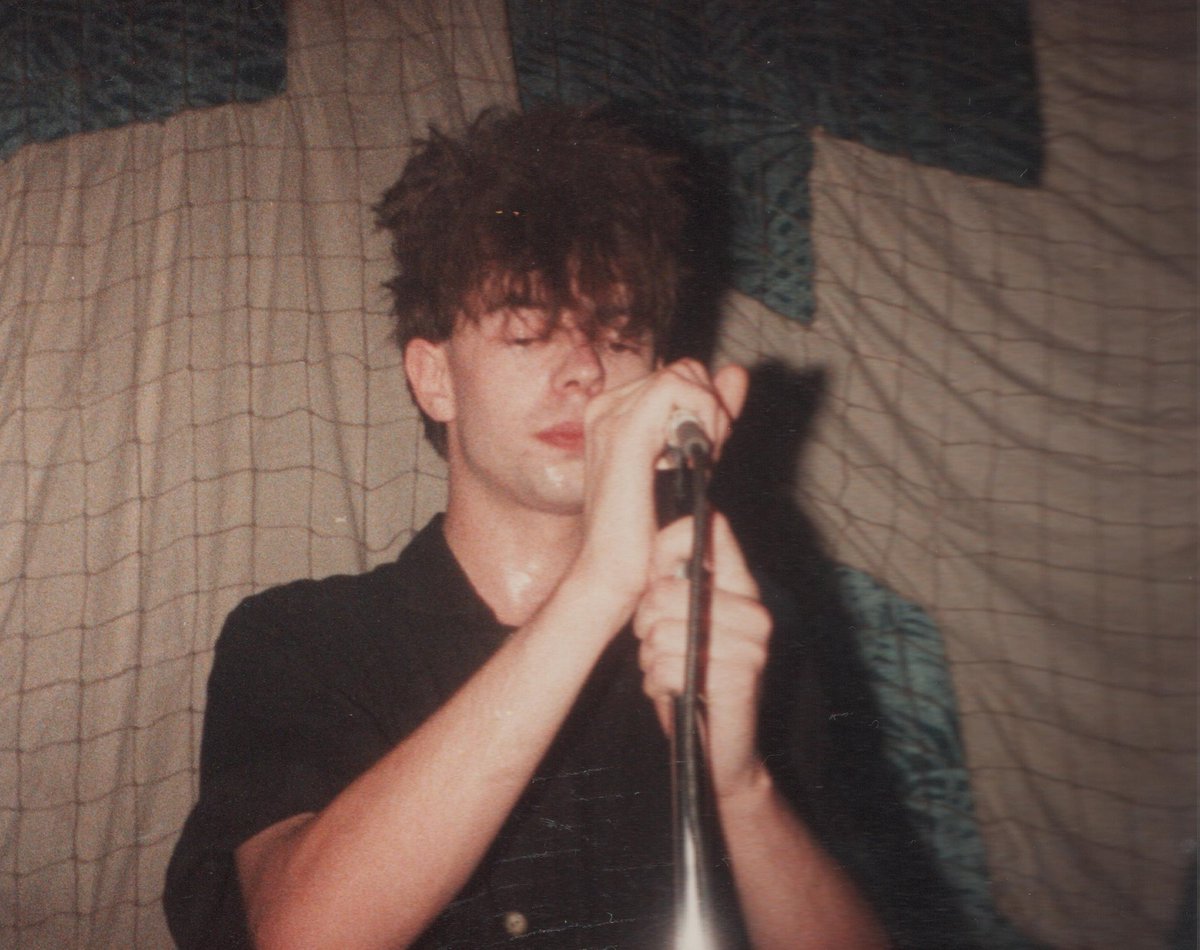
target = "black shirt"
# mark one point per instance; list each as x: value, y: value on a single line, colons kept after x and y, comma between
x: 314, y: 681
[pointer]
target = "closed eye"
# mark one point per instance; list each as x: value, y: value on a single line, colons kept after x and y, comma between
x: 622, y: 345
x: 526, y: 326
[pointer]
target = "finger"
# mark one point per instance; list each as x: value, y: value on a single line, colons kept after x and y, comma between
x: 739, y: 630
x: 730, y: 668
x: 732, y: 382
x: 663, y: 597
x: 690, y: 370
x: 662, y: 661
x: 673, y: 550
x: 684, y: 384
x: 730, y: 571
x: 714, y: 400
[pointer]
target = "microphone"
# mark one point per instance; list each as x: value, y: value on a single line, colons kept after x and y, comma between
x: 693, y: 832
x: 686, y: 436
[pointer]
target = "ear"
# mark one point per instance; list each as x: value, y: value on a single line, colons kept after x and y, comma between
x: 428, y: 370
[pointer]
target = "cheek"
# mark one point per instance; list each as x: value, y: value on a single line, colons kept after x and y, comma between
x: 492, y: 410
x: 627, y: 369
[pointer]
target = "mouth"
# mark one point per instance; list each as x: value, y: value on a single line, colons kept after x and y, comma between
x: 565, y: 435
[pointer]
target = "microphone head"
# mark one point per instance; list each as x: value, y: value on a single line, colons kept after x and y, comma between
x: 686, y: 435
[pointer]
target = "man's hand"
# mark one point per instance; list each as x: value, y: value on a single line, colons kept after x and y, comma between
x: 739, y: 631
x: 793, y: 895
x: 626, y: 430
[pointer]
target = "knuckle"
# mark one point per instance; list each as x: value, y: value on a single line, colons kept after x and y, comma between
x: 656, y: 676
x: 758, y: 617
x: 661, y: 631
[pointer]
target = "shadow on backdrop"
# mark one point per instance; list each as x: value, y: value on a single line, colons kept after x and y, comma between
x: 858, y: 810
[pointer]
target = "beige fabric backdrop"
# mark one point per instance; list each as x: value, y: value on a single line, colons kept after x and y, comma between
x: 198, y: 399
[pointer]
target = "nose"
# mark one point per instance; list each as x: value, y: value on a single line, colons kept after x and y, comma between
x: 581, y: 365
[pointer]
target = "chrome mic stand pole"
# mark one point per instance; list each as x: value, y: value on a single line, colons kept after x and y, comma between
x: 694, y: 924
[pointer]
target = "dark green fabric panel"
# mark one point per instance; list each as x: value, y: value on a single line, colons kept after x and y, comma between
x: 902, y: 653
x: 947, y: 84
x: 951, y: 85
x: 70, y: 66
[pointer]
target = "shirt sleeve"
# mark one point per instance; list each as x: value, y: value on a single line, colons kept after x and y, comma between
x: 282, y: 737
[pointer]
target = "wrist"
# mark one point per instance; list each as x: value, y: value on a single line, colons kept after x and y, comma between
x: 594, y: 597
x: 752, y: 788
x: 610, y: 583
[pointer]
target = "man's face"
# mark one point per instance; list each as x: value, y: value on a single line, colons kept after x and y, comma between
x: 520, y: 383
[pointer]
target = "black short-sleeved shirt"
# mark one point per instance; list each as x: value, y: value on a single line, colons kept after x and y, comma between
x: 315, y: 681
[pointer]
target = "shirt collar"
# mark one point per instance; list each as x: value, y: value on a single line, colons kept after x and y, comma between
x: 428, y: 578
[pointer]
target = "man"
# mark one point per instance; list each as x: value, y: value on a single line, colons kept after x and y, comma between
x: 467, y: 746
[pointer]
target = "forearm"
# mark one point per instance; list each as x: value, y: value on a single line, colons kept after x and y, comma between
x: 378, y: 864
x: 792, y: 893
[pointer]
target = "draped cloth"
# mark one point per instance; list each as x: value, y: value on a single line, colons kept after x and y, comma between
x: 198, y: 398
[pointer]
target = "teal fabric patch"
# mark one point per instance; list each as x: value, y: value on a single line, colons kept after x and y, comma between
x: 902, y: 651
x: 947, y: 84
x: 70, y: 66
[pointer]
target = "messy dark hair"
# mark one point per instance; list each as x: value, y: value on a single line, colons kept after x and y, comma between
x: 557, y: 208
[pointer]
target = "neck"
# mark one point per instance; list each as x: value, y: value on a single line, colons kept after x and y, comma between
x: 513, y: 557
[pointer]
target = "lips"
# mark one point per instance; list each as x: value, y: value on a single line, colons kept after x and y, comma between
x: 565, y: 435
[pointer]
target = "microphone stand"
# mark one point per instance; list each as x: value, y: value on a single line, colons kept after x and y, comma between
x: 695, y: 926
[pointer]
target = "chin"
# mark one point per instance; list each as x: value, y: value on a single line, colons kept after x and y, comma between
x: 561, y: 489
x: 560, y: 503
x: 565, y: 505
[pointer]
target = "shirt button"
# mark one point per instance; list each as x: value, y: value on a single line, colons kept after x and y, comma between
x: 515, y: 923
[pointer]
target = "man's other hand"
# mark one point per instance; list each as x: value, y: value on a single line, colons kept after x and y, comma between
x: 732, y: 666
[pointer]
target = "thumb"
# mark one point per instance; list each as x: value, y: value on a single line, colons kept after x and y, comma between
x: 731, y: 383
